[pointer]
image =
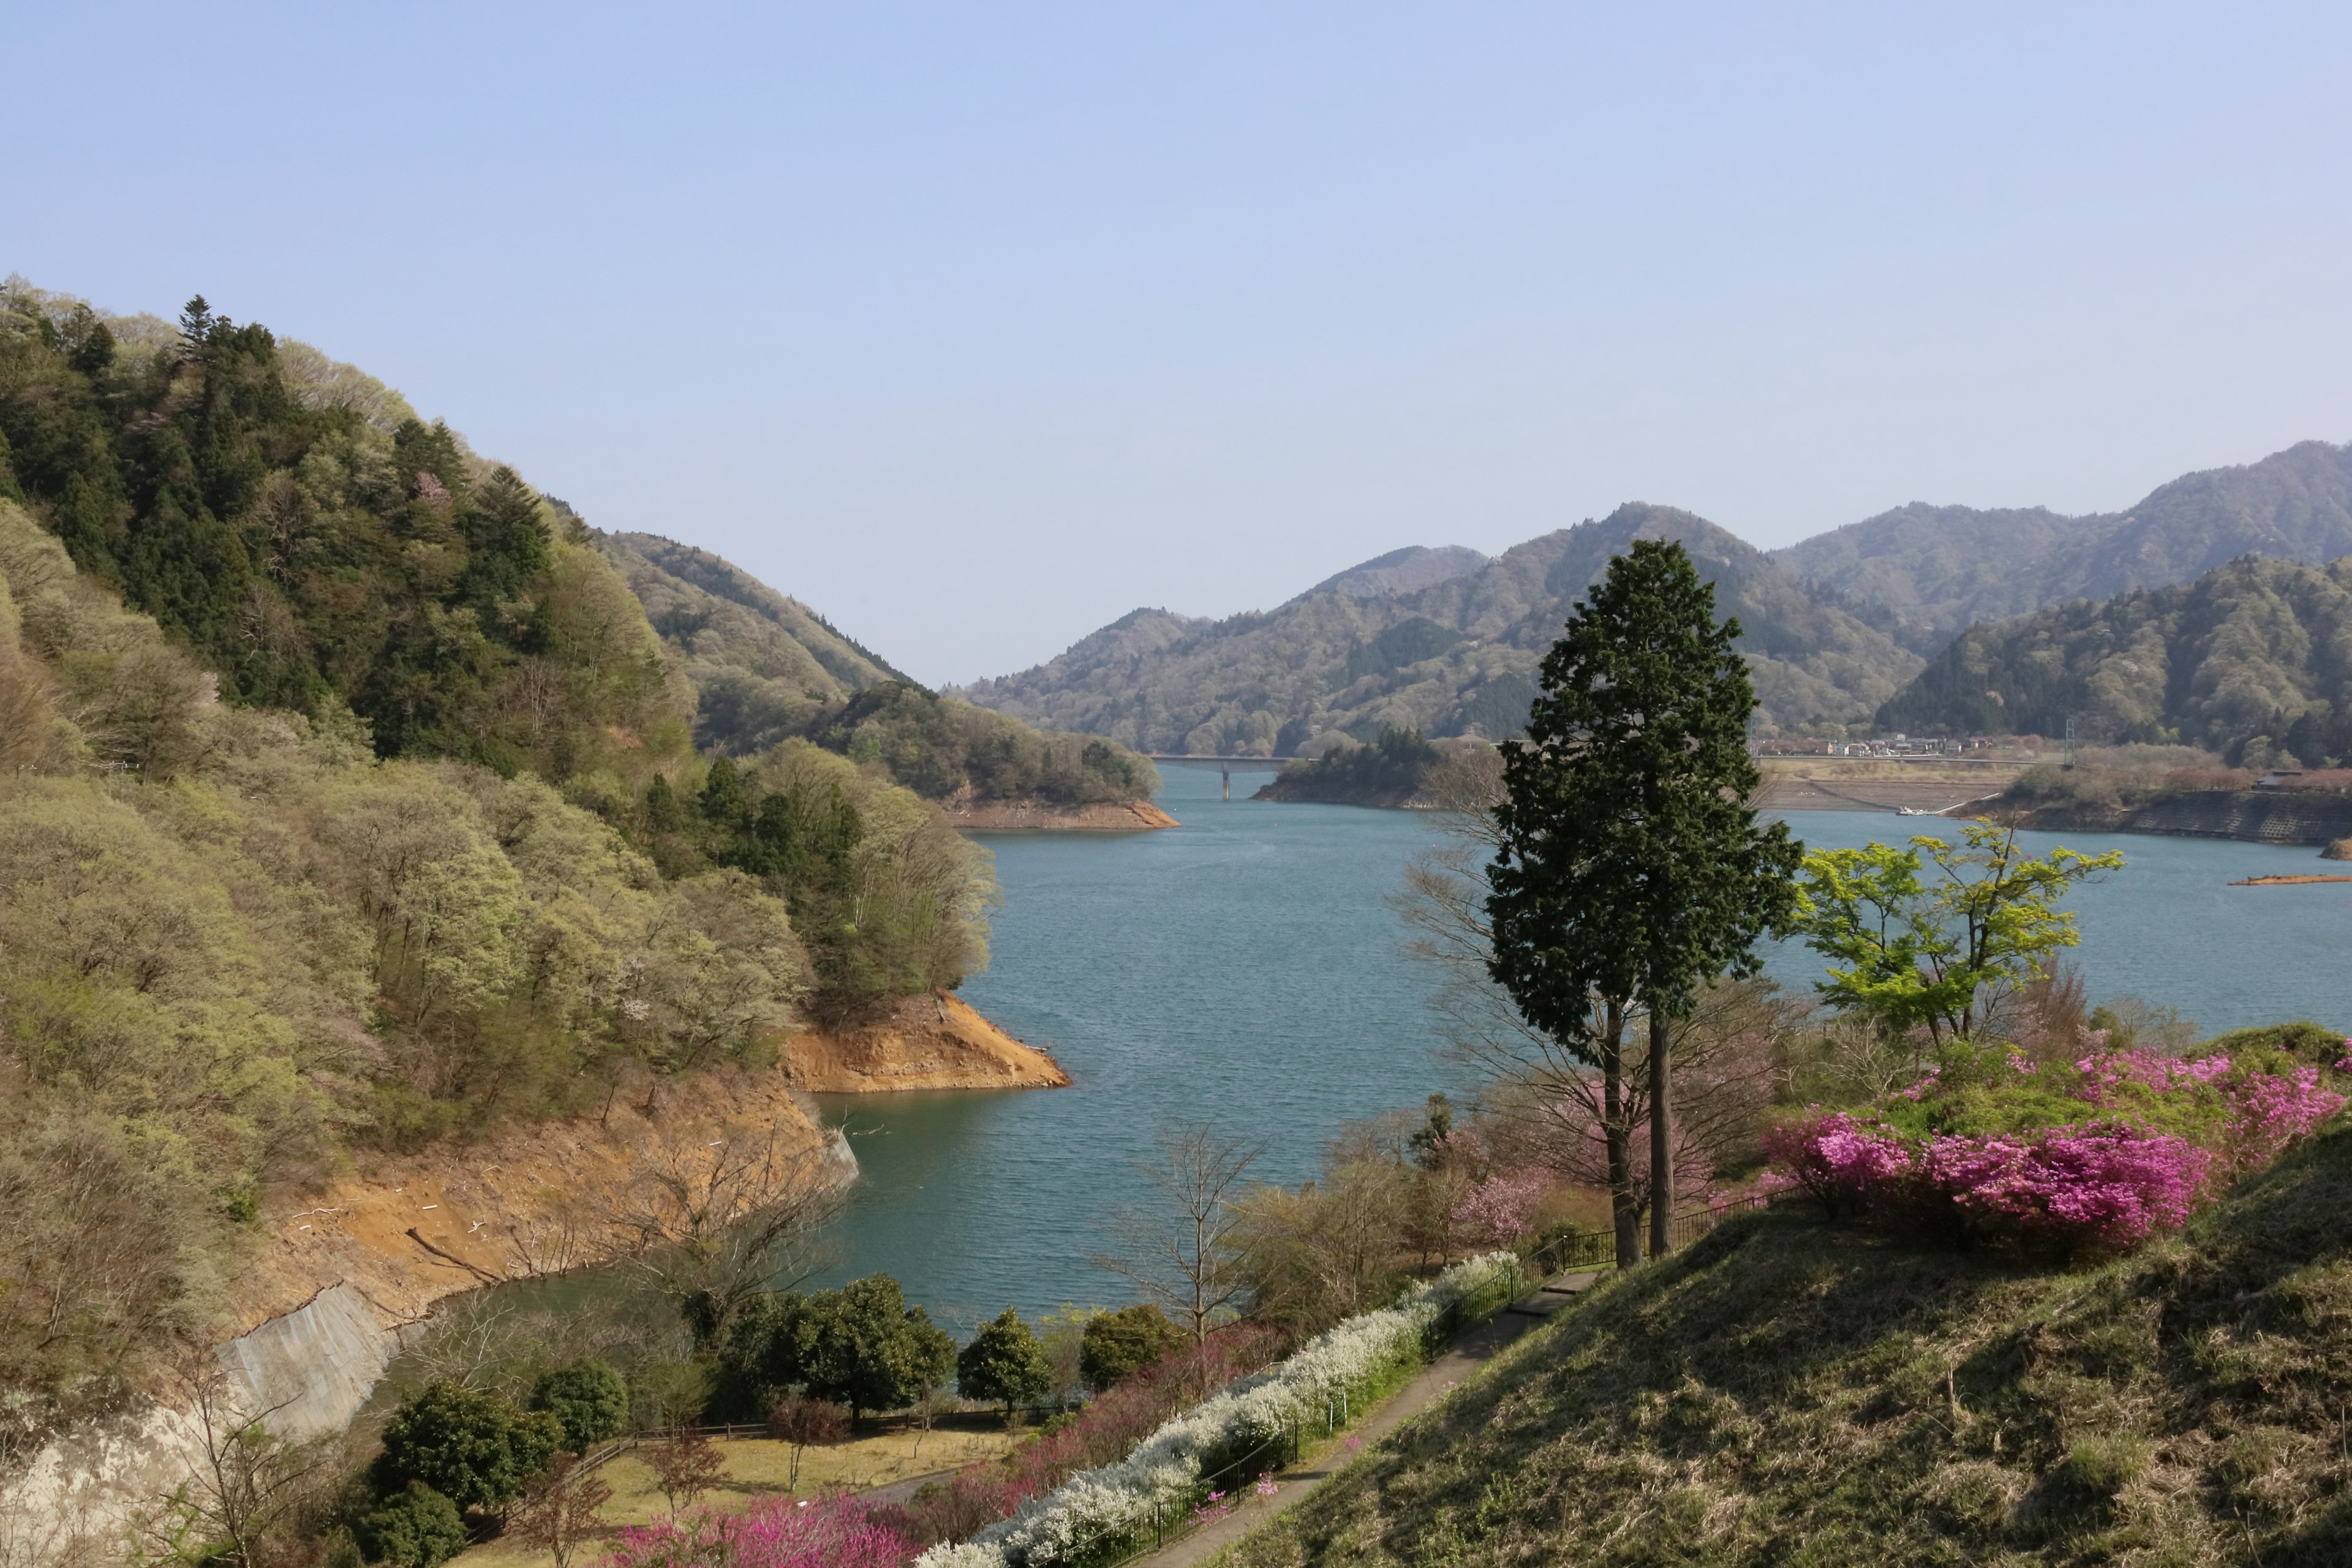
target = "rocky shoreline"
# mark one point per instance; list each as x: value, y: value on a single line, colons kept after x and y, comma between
x: 2251, y: 815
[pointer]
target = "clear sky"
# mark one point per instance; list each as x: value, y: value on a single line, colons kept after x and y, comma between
x: 976, y: 326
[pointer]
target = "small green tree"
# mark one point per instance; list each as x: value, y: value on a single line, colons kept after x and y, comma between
x: 1932, y: 934
x: 1116, y: 1345
x: 588, y: 1398
x: 473, y: 1448
x: 415, y: 1528
x: 1004, y: 1364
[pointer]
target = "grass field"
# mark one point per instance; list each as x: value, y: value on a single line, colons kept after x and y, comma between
x: 758, y: 1467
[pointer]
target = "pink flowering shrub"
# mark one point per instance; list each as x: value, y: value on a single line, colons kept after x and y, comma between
x: 2103, y: 1187
x: 1497, y: 1212
x: 2099, y: 1152
x: 828, y: 1533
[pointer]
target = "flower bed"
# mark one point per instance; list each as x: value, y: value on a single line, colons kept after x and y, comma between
x: 2100, y: 1153
x: 1101, y: 1514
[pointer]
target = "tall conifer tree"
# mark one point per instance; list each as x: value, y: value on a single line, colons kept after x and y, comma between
x: 1632, y: 869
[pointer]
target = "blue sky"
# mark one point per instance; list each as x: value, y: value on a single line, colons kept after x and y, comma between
x: 976, y: 327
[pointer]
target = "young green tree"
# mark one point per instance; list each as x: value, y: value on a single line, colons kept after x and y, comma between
x: 861, y: 1346
x: 1932, y: 934
x: 1631, y: 868
x: 1004, y: 1364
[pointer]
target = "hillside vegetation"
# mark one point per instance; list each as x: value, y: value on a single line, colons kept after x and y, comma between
x: 293, y: 523
x: 250, y: 936
x: 2252, y: 660
x: 1455, y: 656
x: 766, y: 668
x: 1932, y: 569
x: 1791, y: 1391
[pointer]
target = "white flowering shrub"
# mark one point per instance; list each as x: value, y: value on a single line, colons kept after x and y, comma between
x: 1098, y: 1513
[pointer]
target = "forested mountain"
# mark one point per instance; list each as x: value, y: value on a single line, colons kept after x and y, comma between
x: 1936, y: 568
x: 766, y: 668
x: 1455, y: 656
x: 2253, y: 660
x: 310, y: 539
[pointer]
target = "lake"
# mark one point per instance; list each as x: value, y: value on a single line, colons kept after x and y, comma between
x: 1246, y: 971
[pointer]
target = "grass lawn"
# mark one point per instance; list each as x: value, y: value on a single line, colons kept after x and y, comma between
x: 760, y: 1468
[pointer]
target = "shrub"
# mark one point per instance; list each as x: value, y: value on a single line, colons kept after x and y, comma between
x: 415, y: 1528
x: 474, y: 1449
x: 590, y: 1399
x: 1116, y: 1345
x: 2098, y: 1153
x: 831, y: 1532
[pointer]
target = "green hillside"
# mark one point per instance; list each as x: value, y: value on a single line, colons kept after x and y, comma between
x: 1789, y: 1392
x: 1456, y: 656
x: 1932, y: 569
x: 293, y: 523
x: 2254, y: 660
x: 766, y: 669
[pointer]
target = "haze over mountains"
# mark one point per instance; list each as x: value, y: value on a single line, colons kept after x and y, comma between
x: 1447, y: 641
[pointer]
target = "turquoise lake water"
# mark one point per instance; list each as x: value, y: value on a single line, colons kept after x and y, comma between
x: 1244, y: 969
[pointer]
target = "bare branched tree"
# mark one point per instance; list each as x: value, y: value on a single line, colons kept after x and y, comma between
x: 1180, y: 1252
x: 250, y: 1486
x: 714, y: 1216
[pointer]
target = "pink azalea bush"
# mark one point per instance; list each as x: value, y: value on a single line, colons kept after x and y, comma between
x: 2099, y: 1152
x: 825, y: 1532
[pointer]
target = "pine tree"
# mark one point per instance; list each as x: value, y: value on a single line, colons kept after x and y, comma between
x: 1631, y: 868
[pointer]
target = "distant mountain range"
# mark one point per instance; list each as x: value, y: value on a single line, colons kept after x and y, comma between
x: 1446, y: 640
x: 1455, y: 655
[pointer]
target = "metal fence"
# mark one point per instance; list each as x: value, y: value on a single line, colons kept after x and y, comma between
x: 1560, y: 1250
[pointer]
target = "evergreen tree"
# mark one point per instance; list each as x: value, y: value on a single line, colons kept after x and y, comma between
x: 1632, y: 868
x: 473, y: 1448
x: 1004, y: 1364
x: 588, y: 1398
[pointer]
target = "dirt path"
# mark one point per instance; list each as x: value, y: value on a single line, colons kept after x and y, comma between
x: 1457, y: 1365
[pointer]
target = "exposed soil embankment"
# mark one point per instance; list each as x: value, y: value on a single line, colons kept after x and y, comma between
x: 925, y: 1042
x: 2254, y: 815
x: 1040, y: 816
x: 524, y: 1202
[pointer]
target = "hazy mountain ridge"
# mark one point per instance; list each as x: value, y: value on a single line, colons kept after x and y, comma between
x: 1834, y: 626
x: 1457, y: 656
x: 1401, y: 571
x: 1941, y: 568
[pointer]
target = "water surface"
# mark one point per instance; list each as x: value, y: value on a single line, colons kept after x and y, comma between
x: 1245, y: 970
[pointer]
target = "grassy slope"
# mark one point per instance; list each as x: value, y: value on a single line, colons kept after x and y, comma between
x: 1790, y: 1392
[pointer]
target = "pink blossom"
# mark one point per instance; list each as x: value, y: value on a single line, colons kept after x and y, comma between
x: 833, y: 1532
x: 1495, y: 1211
x: 2110, y: 1186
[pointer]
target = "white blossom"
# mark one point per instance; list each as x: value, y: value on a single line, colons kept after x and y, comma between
x: 1165, y: 1468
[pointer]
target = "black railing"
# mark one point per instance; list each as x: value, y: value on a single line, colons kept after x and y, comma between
x: 1559, y: 1251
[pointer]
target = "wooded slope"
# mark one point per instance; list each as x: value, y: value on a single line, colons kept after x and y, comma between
x: 2253, y: 660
